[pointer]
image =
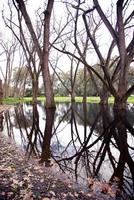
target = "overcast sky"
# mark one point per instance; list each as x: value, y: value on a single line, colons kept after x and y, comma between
x: 33, y: 5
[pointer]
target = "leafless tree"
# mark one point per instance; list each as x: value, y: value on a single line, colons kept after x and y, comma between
x: 9, y: 49
x: 43, y: 54
x: 126, y: 52
x: 1, y: 92
x: 27, y: 47
x: 77, y: 44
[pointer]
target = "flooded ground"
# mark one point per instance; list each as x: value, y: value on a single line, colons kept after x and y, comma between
x: 87, y: 141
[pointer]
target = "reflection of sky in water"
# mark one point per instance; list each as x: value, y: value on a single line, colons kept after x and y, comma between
x: 64, y: 137
x: 61, y: 142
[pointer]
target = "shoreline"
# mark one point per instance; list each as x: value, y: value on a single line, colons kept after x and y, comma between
x: 21, y: 178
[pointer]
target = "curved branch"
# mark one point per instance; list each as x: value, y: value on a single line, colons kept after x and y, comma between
x: 106, y: 22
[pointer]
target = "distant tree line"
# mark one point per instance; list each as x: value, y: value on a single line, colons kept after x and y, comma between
x: 44, y: 41
x: 21, y: 83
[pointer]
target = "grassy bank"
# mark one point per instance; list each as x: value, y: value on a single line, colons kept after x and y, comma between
x: 11, y: 100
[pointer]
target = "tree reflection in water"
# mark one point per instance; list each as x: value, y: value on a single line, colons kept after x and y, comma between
x: 87, y: 140
x: 46, y: 152
x: 1, y: 121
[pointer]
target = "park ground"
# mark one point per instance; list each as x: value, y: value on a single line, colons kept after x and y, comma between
x: 91, y: 99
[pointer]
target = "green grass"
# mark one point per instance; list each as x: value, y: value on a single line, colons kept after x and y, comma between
x: 131, y: 99
x: 11, y: 100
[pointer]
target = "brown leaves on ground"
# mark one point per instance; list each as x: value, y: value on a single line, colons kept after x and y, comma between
x: 103, y: 187
x: 27, y: 180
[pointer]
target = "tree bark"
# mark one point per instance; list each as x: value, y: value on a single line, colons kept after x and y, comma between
x: 45, y: 68
x: 35, y: 89
x: 1, y: 92
x: 43, y: 55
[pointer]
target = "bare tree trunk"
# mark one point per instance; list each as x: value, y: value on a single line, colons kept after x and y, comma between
x: 85, y: 85
x: 1, y: 92
x: 126, y: 54
x: 120, y: 103
x: 45, y: 68
x: 43, y: 55
x: 35, y: 89
x: 104, y: 95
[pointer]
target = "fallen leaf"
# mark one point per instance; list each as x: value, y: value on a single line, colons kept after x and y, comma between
x: 52, y: 193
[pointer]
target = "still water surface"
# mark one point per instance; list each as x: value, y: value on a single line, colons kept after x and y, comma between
x: 86, y: 140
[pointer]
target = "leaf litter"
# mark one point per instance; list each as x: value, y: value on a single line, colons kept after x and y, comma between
x: 22, y: 179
